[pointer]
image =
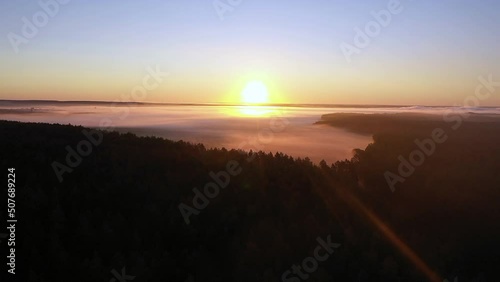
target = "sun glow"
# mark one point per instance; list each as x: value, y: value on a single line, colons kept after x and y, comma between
x: 255, y: 111
x: 255, y: 92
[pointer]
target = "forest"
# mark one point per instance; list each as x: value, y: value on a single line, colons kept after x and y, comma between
x: 118, y: 210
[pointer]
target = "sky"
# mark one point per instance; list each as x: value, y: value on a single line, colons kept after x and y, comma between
x: 424, y: 53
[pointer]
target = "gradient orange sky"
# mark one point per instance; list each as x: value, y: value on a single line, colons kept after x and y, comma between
x: 429, y: 54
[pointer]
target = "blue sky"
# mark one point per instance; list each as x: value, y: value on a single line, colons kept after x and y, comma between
x: 430, y: 53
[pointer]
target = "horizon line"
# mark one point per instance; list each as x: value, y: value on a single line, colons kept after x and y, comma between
x: 221, y: 104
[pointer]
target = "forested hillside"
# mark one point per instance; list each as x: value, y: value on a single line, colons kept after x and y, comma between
x: 120, y: 207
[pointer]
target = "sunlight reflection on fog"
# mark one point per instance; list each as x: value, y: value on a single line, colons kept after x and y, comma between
x: 219, y: 126
x: 214, y: 126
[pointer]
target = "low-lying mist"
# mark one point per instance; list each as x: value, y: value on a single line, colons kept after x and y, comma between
x: 291, y: 130
x: 272, y: 129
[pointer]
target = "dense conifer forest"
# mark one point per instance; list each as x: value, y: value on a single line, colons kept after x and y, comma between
x: 119, y: 209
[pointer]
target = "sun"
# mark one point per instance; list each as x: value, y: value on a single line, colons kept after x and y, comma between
x: 255, y: 92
